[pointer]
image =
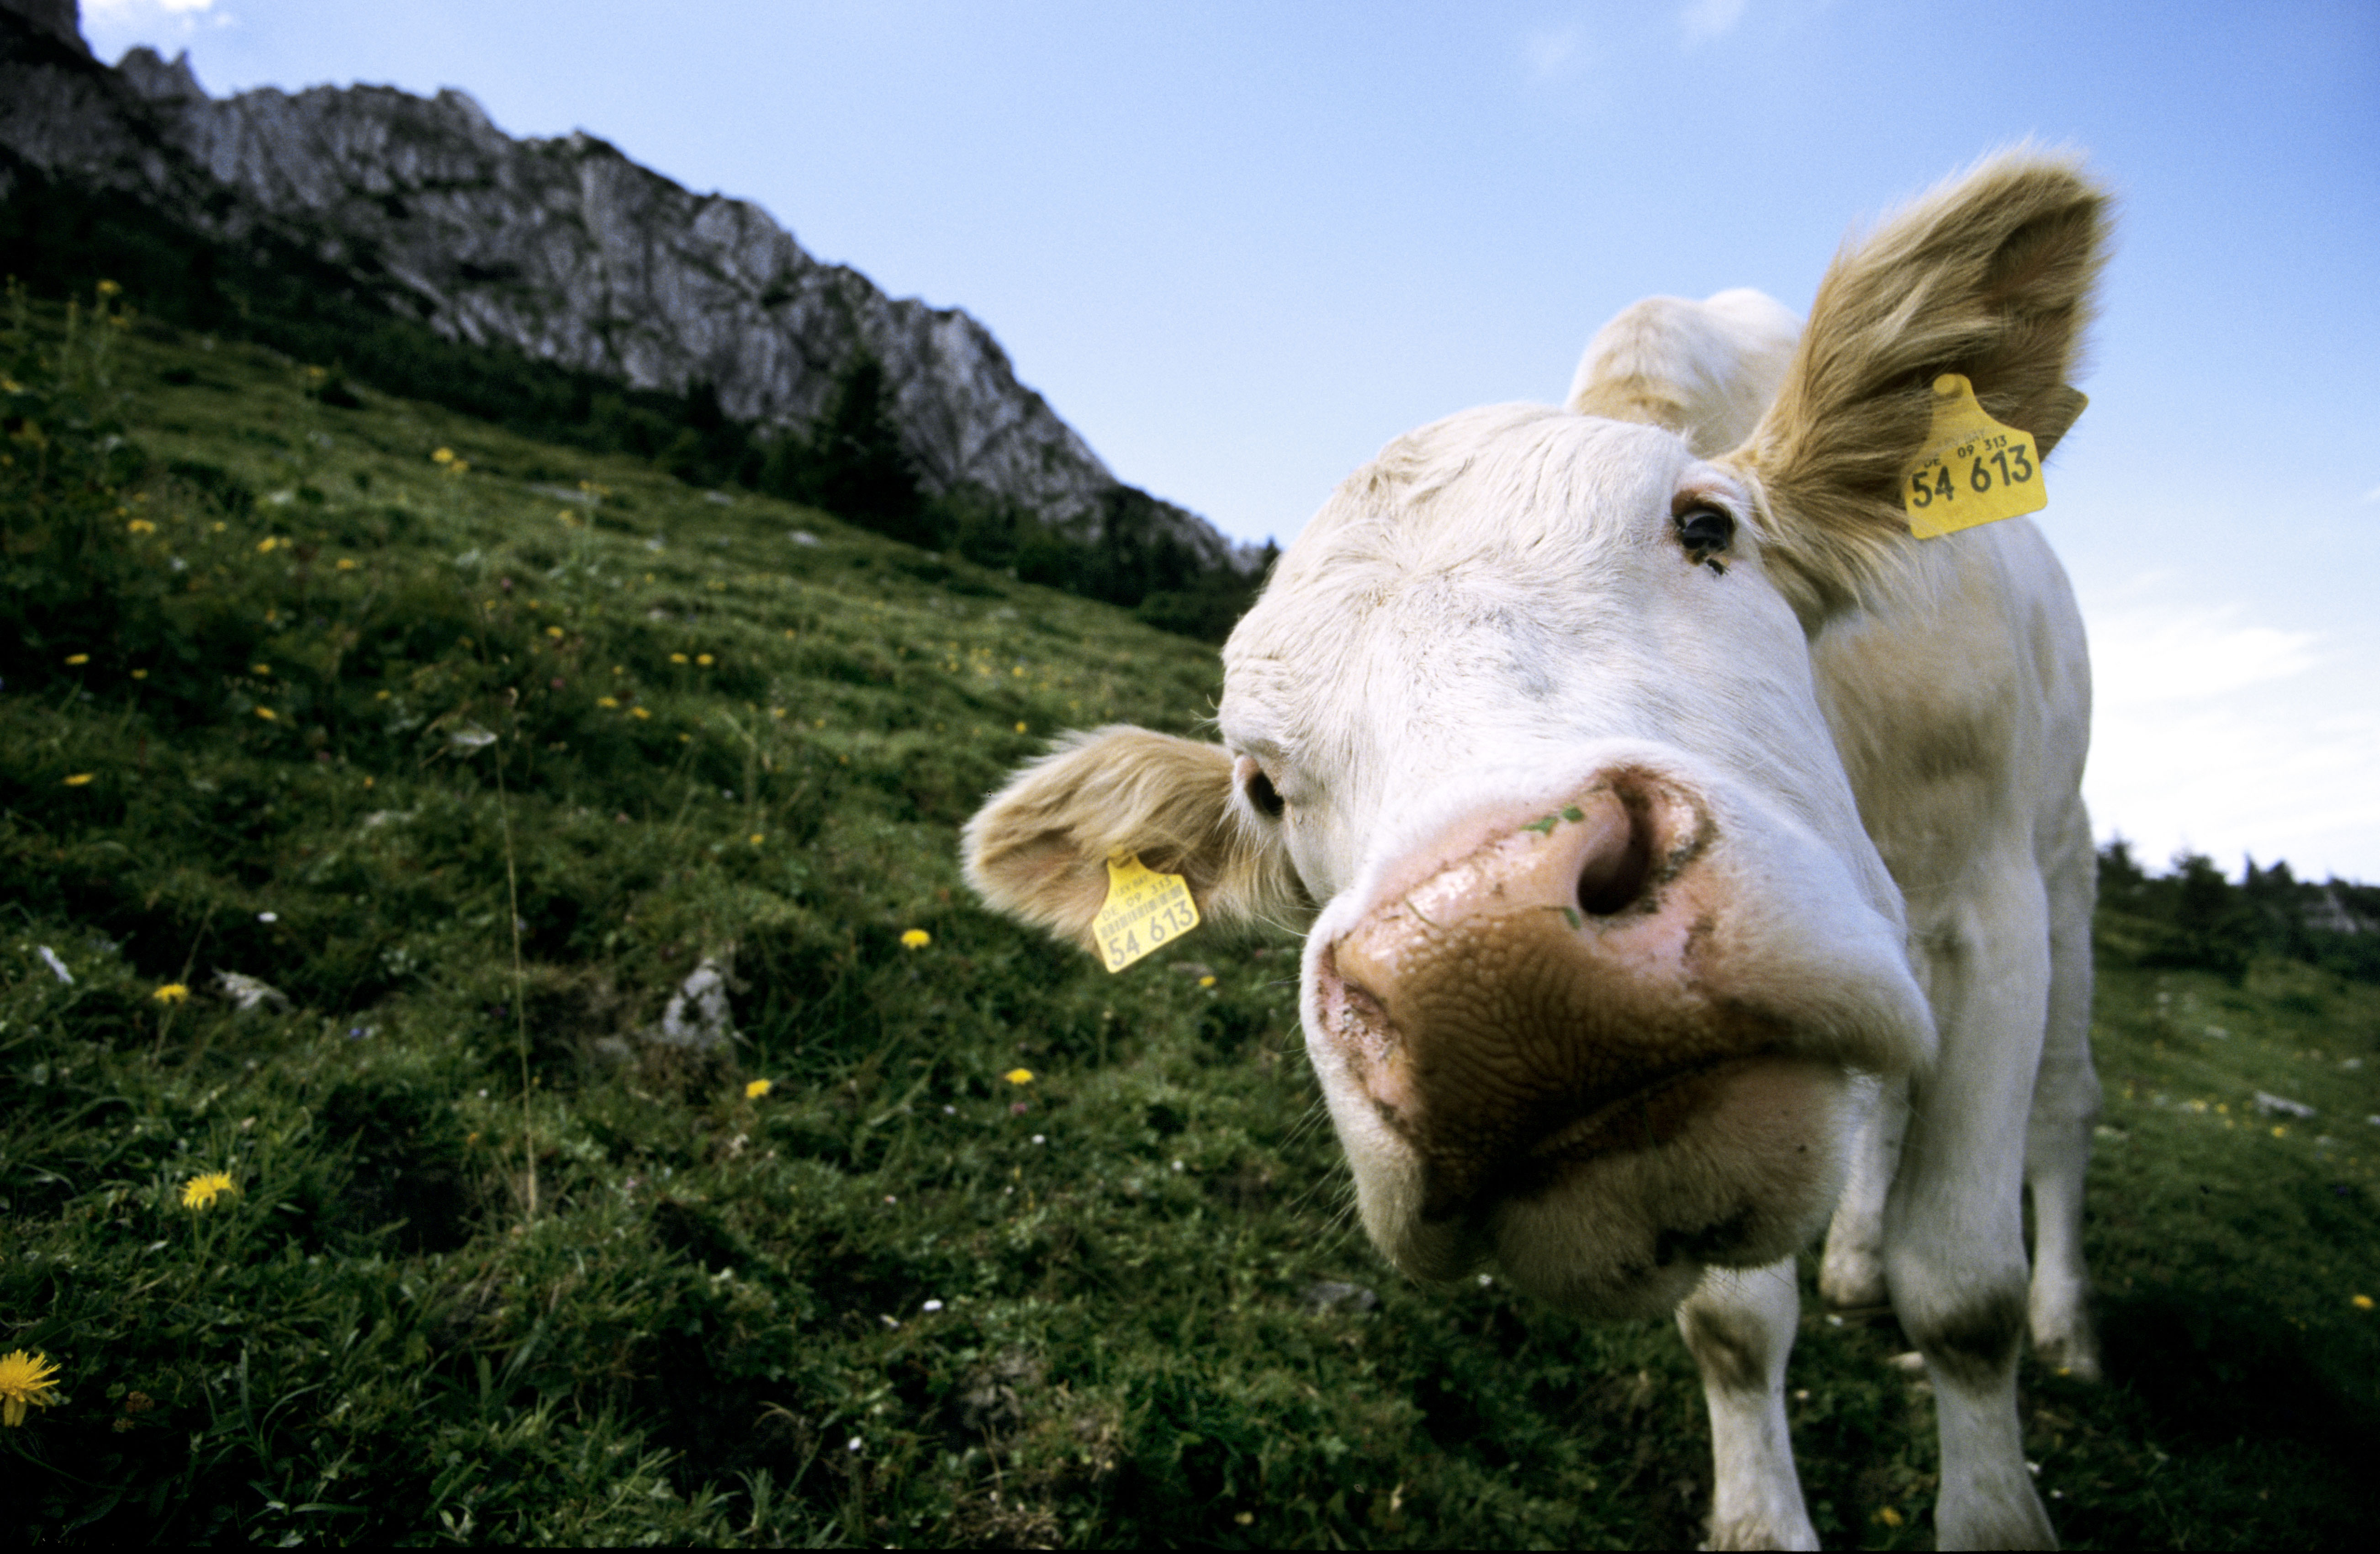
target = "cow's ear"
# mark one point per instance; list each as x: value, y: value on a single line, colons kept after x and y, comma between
x: 1038, y: 850
x: 1991, y: 275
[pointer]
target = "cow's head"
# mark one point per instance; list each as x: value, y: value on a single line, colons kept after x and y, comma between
x: 1525, y: 722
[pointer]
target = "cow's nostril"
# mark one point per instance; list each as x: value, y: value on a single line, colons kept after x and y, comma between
x: 1612, y: 874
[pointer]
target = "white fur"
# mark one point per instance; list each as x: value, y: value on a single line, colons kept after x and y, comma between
x: 1495, y: 602
x: 1886, y: 735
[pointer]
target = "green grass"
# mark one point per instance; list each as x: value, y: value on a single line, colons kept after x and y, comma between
x: 502, y: 1269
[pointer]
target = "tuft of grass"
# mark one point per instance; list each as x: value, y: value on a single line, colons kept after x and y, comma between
x: 503, y: 1267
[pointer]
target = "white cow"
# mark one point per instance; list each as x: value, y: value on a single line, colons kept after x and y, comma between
x: 1690, y: 852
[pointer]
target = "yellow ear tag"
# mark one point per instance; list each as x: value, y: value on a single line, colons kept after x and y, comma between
x: 1974, y: 470
x: 1144, y: 910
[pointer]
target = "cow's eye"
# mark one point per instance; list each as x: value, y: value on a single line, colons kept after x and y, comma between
x: 1264, y: 795
x: 1704, y: 532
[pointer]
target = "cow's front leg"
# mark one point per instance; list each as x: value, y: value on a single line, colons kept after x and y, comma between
x: 1954, y: 1224
x: 1739, y: 1323
x: 1851, y: 1276
x: 2065, y: 1109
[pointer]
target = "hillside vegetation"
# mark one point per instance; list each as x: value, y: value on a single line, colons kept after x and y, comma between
x: 473, y: 749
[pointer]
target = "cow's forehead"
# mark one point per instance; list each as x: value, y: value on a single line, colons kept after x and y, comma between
x: 1483, y: 536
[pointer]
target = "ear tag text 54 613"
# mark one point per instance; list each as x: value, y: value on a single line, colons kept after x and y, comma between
x: 1144, y: 910
x: 1974, y: 470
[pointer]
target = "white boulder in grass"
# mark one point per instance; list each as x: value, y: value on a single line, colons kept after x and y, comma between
x: 698, y: 1016
x: 249, y: 994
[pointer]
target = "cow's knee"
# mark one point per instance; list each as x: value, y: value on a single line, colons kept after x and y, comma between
x: 1969, y: 1336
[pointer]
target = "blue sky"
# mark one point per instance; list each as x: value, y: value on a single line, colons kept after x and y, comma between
x: 1239, y: 247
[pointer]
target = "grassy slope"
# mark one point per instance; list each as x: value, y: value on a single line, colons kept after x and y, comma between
x: 710, y: 1323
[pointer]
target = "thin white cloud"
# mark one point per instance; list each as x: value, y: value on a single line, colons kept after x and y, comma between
x: 2147, y: 656
x: 1553, y: 51
x: 113, y: 27
x: 127, y: 12
x: 1707, y: 20
x: 2214, y: 733
x: 2373, y: 495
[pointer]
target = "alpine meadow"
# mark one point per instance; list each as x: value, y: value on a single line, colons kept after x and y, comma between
x: 498, y: 1051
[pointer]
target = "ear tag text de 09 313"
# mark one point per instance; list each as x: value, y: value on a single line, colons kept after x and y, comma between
x: 1974, y: 470
x: 1144, y: 910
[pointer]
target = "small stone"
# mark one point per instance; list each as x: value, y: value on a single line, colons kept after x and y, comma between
x: 1332, y: 1297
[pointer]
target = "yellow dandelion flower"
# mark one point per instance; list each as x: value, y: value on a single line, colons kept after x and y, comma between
x: 260, y: 669
x: 703, y: 658
x: 758, y: 837
x: 607, y: 701
x: 24, y: 1380
x: 79, y: 778
x: 2281, y: 1131
x: 444, y: 456
x: 756, y: 1089
x: 140, y: 525
x: 677, y: 658
x: 2362, y: 1303
x: 347, y: 564
x: 553, y: 631
x: 1888, y: 1516
x: 172, y: 993
x: 916, y: 939
x: 267, y: 545
x: 77, y: 658
x: 1020, y: 728
x: 380, y: 696
x: 201, y: 1191
x: 638, y: 712
x: 268, y: 714
x: 1205, y: 981
x: 109, y: 289
x: 1018, y: 1076
x: 141, y: 675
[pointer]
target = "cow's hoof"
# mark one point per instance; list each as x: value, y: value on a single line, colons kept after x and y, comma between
x: 2073, y: 1355
x: 1761, y: 1532
x: 1852, y: 1279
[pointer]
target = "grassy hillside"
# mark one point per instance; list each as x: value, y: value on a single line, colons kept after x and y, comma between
x: 474, y: 759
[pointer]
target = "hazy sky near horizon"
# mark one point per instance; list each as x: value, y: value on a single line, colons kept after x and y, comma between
x: 1239, y: 247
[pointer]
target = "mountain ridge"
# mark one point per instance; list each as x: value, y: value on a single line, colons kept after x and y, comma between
x: 563, y: 249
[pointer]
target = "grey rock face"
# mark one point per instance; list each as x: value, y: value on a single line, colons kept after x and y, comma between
x: 563, y: 249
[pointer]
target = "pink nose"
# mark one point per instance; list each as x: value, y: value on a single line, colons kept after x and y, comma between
x: 1535, y: 995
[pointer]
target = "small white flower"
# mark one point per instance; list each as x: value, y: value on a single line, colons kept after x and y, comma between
x: 852, y: 1443
x: 1041, y: 1138
x: 268, y: 916
x: 933, y: 1305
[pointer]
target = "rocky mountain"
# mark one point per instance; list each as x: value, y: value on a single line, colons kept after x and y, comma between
x: 563, y: 249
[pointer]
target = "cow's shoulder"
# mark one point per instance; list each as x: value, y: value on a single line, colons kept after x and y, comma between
x: 1959, y: 703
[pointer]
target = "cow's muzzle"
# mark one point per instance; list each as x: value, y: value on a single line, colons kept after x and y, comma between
x: 1553, y: 998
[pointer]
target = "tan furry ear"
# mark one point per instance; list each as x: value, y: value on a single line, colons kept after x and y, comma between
x: 1038, y: 850
x: 1991, y: 275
